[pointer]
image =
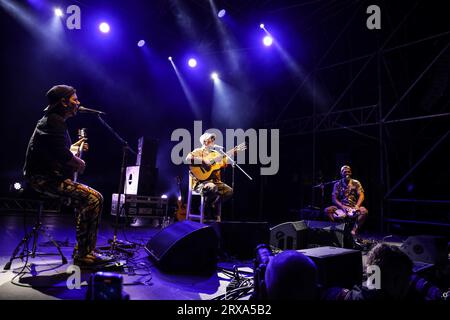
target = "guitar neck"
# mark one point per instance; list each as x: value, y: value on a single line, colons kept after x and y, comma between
x: 228, y: 153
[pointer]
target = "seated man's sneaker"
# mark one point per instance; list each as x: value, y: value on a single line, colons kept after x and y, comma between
x: 92, y: 259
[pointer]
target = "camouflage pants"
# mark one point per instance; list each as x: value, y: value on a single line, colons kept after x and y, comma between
x: 87, y: 202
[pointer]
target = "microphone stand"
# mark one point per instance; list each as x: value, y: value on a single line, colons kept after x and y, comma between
x: 233, y: 164
x: 116, y: 244
x: 322, y: 187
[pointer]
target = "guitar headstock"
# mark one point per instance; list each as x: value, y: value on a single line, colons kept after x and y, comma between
x: 82, y: 133
x: 241, y: 147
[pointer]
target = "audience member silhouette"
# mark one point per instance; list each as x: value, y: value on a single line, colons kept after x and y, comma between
x: 395, y: 269
x: 291, y: 275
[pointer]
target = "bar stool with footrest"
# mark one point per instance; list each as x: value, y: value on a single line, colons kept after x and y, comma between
x: 200, y: 216
x: 32, y: 236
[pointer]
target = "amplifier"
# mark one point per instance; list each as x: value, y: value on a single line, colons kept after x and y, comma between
x: 338, y: 267
x: 133, y: 205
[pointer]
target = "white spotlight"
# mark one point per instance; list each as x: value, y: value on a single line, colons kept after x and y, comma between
x: 267, y: 40
x: 58, y: 12
x: 192, y: 63
x: 164, y: 196
x: 261, y: 25
x: 170, y: 58
x: 214, y: 76
x: 104, y: 27
x: 17, y: 186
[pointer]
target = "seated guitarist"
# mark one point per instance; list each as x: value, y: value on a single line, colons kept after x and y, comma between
x: 51, y: 161
x: 212, y: 188
x: 348, y: 195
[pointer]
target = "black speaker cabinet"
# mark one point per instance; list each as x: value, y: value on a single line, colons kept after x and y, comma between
x: 338, y: 267
x: 239, y: 239
x: 426, y: 248
x: 289, y: 235
x: 323, y: 233
x: 141, y: 180
x: 147, y: 152
x: 185, y: 247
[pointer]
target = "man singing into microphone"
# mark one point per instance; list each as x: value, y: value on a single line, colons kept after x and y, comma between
x: 51, y: 161
x: 212, y: 188
x: 348, y: 195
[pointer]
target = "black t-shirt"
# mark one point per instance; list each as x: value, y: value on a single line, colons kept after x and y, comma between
x: 49, y: 148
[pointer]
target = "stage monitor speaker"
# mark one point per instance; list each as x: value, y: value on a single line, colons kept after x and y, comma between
x: 240, y: 239
x: 426, y: 248
x: 289, y: 235
x: 323, y: 233
x: 141, y: 180
x: 147, y: 151
x: 337, y: 267
x: 185, y: 247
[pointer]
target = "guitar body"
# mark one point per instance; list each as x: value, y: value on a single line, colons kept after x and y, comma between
x: 203, y: 172
x: 180, y: 214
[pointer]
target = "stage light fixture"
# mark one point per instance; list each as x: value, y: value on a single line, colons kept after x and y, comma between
x: 170, y: 58
x: 141, y: 43
x: 58, y: 12
x: 261, y: 25
x: 164, y: 196
x: 267, y: 40
x: 221, y: 13
x: 214, y: 76
x: 192, y: 62
x: 104, y: 27
x: 17, y: 186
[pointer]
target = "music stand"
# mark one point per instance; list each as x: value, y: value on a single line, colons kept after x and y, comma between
x: 115, y: 244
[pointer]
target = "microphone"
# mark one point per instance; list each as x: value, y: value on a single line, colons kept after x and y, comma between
x: 87, y: 110
x: 217, y: 146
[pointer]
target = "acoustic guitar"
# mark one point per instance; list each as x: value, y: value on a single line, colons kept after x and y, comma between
x: 202, y: 171
x: 180, y: 214
x: 82, y: 133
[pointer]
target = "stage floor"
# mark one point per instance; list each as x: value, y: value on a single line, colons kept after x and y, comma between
x: 45, y: 278
x: 141, y: 278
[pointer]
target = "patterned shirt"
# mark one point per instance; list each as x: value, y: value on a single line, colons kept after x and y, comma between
x: 347, y: 194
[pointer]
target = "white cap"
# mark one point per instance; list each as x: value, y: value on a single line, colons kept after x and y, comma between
x: 206, y: 136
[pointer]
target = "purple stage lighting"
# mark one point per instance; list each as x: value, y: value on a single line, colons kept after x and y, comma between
x: 221, y: 13
x: 192, y: 63
x: 141, y: 43
x: 104, y: 27
x: 268, y: 40
x: 58, y: 12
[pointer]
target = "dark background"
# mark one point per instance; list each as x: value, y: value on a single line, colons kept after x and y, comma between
x: 142, y: 96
